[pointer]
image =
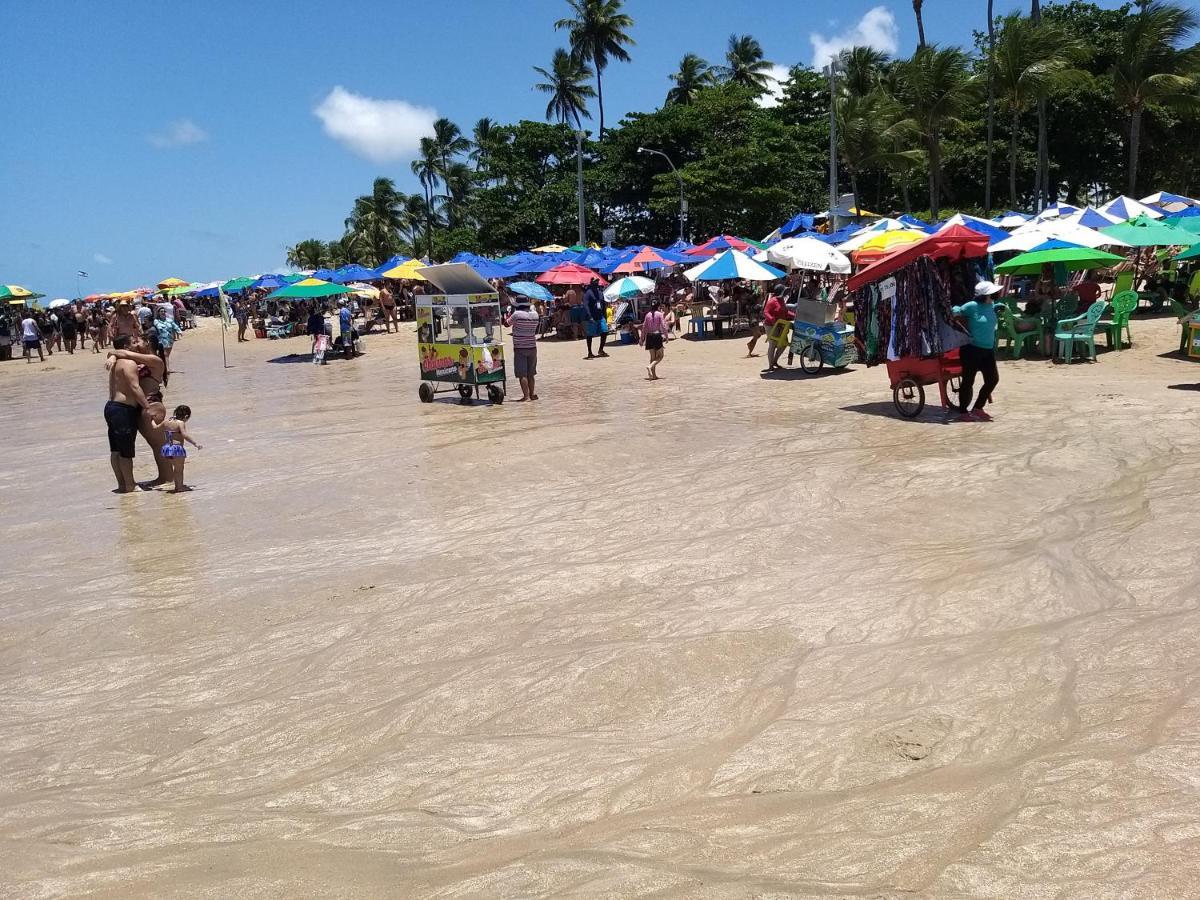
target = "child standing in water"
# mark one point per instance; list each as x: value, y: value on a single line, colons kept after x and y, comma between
x: 175, y: 427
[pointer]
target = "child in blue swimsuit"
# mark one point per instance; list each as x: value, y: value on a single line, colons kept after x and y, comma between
x: 175, y: 427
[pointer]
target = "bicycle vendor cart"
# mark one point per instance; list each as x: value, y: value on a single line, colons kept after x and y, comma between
x: 460, y: 341
x: 819, y: 341
x: 903, y: 315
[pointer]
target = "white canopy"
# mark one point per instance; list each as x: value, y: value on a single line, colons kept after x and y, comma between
x: 806, y: 253
x: 1029, y: 236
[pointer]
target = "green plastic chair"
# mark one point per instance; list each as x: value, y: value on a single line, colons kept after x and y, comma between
x: 1123, y: 305
x: 1006, y: 330
x: 1123, y: 283
x: 1194, y: 285
x: 1078, y: 329
x: 1181, y: 312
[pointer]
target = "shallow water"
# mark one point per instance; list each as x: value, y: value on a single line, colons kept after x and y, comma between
x: 715, y: 636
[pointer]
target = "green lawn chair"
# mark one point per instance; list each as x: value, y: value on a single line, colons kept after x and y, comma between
x: 1078, y: 329
x: 1123, y: 283
x: 1194, y: 286
x: 1123, y: 305
x: 1181, y: 312
x: 1006, y: 330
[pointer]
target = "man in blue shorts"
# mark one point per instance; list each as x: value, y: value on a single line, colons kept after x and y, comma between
x: 597, y: 317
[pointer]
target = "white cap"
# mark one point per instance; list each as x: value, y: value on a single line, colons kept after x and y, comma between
x: 987, y: 289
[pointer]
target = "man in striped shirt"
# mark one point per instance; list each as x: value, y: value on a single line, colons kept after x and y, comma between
x: 524, y: 324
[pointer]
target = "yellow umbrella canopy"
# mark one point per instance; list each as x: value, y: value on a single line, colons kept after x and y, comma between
x: 406, y: 271
x: 549, y: 248
x: 16, y: 292
x: 168, y: 283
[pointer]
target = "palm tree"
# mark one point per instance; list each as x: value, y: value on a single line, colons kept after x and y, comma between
x: 375, y: 221
x: 1152, y: 68
x: 450, y: 142
x: 1029, y: 60
x: 861, y: 68
x: 482, y: 138
x: 598, y: 33
x: 917, y: 5
x: 459, y: 181
x: 870, y: 133
x: 426, y: 168
x: 694, y: 75
x: 991, y: 108
x: 307, y: 254
x: 1042, y: 177
x: 744, y: 64
x: 936, y: 88
x: 566, y: 84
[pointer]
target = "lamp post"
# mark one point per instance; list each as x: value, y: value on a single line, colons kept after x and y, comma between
x: 579, y: 188
x: 682, y: 199
x: 833, y: 166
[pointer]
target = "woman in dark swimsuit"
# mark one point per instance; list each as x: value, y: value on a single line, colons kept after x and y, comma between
x: 151, y: 372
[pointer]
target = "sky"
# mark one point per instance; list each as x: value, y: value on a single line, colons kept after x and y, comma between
x: 199, y: 140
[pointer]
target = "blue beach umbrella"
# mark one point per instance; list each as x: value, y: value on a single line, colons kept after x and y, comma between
x: 353, y: 272
x: 531, y: 290
x: 733, y: 264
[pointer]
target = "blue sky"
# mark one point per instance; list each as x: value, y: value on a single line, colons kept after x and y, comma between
x: 147, y: 139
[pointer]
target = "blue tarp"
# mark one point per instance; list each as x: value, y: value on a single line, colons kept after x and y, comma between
x: 797, y: 223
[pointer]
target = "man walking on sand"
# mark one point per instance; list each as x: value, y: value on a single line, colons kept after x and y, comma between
x: 524, y: 324
x: 597, y: 317
x: 31, y: 337
x: 387, y: 303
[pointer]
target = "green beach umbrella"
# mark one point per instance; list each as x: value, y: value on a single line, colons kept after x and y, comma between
x: 1071, y: 256
x: 1146, y: 232
x: 308, y: 289
x: 1187, y: 223
x: 1190, y: 253
x: 236, y: 284
x: 16, y: 292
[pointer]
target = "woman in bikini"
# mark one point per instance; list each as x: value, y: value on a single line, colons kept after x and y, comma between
x: 151, y: 372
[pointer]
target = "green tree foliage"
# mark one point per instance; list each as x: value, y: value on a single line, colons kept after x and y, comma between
x: 745, y: 65
x: 694, y: 75
x: 565, y: 83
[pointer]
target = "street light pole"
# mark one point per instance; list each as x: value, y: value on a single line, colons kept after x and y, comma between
x: 833, y: 166
x: 682, y: 199
x: 579, y: 188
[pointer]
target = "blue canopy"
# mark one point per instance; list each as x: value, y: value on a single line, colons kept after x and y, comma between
x: 487, y: 268
x: 391, y: 264
x: 797, y: 223
x: 1189, y: 213
x: 270, y: 282
x: 680, y: 245
x: 352, y: 272
x: 1054, y: 244
x: 839, y: 236
x: 913, y: 221
x: 531, y: 290
x: 323, y: 274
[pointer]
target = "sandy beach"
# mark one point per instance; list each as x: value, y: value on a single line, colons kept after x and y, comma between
x: 715, y: 636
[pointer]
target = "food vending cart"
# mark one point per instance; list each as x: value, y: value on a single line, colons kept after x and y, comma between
x: 460, y: 340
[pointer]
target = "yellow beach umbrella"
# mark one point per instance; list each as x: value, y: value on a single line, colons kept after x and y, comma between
x: 406, y: 271
x: 18, y: 293
x: 168, y: 283
x: 884, y: 243
x: 549, y: 248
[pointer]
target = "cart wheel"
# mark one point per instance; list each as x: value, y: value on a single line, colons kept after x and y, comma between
x: 811, y: 360
x: 464, y: 391
x: 425, y: 392
x: 909, y: 397
x: 953, y: 386
x: 495, y: 393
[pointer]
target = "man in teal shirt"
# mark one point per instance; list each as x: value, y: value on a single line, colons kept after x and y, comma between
x: 979, y: 356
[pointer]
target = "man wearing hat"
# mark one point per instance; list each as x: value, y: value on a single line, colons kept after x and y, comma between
x: 978, y: 356
x: 524, y: 324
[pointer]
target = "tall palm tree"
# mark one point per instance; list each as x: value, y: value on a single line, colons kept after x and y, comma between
x: 936, y: 88
x: 1152, y: 67
x: 307, y: 254
x: 694, y: 75
x: 1042, y: 177
x: 483, y: 136
x: 991, y: 107
x: 566, y: 83
x: 599, y: 33
x: 871, y: 132
x: 426, y: 167
x: 450, y: 142
x: 375, y: 221
x: 917, y: 5
x: 459, y: 181
x: 1029, y: 60
x: 861, y: 68
x: 744, y: 64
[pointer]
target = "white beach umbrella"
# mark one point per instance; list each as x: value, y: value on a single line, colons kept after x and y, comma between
x: 630, y: 286
x: 1012, y: 220
x: 806, y: 253
x: 1172, y: 203
x: 1029, y: 236
x: 60, y: 302
x: 1125, y: 208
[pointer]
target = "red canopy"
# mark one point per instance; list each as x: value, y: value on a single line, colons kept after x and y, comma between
x: 718, y: 244
x: 640, y: 259
x: 568, y: 273
x: 952, y: 242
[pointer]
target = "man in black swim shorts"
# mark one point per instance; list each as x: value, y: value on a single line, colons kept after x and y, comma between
x: 122, y: 412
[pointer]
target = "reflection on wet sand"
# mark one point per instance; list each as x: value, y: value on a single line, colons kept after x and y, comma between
x: 715, y: 636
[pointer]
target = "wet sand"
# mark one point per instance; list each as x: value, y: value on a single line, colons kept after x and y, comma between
x: 715, y: 636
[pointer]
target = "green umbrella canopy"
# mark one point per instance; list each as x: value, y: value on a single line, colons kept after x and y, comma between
x: 1187, y: 223
x: 1072, y: 258
x: 237, y: 284
x: 1191, y: 253
x: 292, y: 279
x: 1146, y: 232
x: 16, y: 292
x: 308, y: 289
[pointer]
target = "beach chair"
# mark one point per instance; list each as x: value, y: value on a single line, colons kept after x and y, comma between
x: 1181, y: 312
x: 1123, y: 283
x: 1194, y: 285
x: 279, y: 330
x: 1006, y: 330
x: 1078, y: 329
x: 1123, y: 305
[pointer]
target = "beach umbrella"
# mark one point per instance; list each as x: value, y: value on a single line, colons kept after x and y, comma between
x: 353, y: 272
x: 180, y: 290
x: 167, y: 283
x: 1055, y: 211
x: 880, y: 245
x: 236, y: 285
x: 406, y: 271
x: 912, y: 222
x: 568, y: 273
x: 632, y: 286
x: 549, y: 248
x: 1170, y: 203
x: 1012, y: 219
x: 486, y: 268
x: 1124, y: 208
x: 323, y: 274
x: 733, y: 264
x: 367, y: 291
x: 806, y: 253
x: 1029, y: 236
x: 1143, y: 231
x: 680, y: 246
x: 952, y: 243
x: 1091, y: 218
x: 644, y: 260
x: 531, y: 290
x: 269, y: 282
x: 719, y: 244
x: 983, y: 226
x: 1188, y: 220
x: 883, y: 226
x: 16, y: 292
x: 1190, y: 253
x: 309, y: 288
x: 799, y: 222
x: 1070, y: 256
x: 58, y: 304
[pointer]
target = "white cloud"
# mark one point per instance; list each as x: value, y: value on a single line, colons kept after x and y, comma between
x: 380, y: 130
x: 778, y: 75
x: 102, y: 259
x: 877, y: 28
x: 180, y: 133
